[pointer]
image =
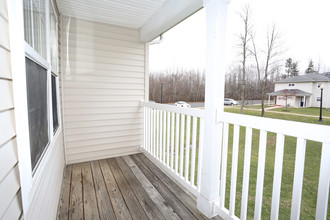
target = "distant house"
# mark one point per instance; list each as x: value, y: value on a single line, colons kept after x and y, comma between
x: 303, y: 91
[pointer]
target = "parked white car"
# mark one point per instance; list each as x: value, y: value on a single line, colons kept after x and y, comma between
x: 182, y: 104
x: 230, y: 102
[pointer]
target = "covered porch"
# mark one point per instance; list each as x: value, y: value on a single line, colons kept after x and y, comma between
x: 123, y: 156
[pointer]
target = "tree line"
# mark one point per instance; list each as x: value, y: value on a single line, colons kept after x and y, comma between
x: 177, y: 85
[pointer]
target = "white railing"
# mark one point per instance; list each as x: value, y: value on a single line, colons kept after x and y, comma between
x: 173, y: 138
x: 301, y: 132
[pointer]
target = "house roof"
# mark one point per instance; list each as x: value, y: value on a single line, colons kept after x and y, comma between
x: 295, y: 92
x: 312, y: 77
x: 152, y: 17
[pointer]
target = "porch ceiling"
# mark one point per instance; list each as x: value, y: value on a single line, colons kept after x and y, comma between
x: 152, y: 17
x: 128, y: 13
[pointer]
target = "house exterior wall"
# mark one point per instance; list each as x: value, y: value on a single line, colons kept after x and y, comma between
x: 103, y: 82
x: 44, y: 204
x: 317, y: 93
x: 311, y: 87
x: 10, y: 187
x: 43, y: 196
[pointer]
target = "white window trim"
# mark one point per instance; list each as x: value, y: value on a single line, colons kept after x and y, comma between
x: 19, y: 50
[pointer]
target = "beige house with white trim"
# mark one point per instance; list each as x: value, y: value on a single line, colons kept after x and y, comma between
x: 303, y: 90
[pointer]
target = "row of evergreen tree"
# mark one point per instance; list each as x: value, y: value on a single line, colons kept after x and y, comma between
x: 291, y: 68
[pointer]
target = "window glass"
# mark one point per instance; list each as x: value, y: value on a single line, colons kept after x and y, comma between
x: 36, y: 82
x: 54, y: 102
x: 35, y: 25
x: 28, y: 22
x: 53, y: 39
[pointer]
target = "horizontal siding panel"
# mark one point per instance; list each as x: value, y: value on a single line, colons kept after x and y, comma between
x: 6, y: 94
x: 9, y: 187
x: 86, y: 31
x: 5, y: 69
x: 99, y: 85
x: 3, y: 9
x: 14, y: 211
x: 8, y: 158
x: 113, y: 110
x: 103, y: 66
x: 90, y: 124
x: 102, y: 147
x: 105, y: 92
x: 72, y: 132
x: 4, y: 36
x: 108, y: 73
x: 99, y: 135
x: 7, y: 128
x: 77, y: 23
x: 89, y: 98
x: 92, y: 39
x: 97, y: 117
x: 84, y: 53
x: 71, y: 46
x: 100, y: 104
x: 97, y: 155
x: 110, y: 79
x: 80, y: 57
x: 109, y: 141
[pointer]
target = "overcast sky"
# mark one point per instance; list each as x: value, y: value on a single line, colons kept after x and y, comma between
x: 305, y: 26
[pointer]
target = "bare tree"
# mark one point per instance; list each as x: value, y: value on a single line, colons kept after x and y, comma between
x: 244, y: 39
x: 271, y: 54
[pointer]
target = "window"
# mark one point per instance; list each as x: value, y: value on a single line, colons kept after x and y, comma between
x: 35, y: 25
x: 319, y: 84
x: 41, y: 75
x: 53, y: 39
x: 36, y: 82
x: 54, y: 104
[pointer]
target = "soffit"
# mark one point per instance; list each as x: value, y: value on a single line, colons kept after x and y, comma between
x: 127, y: 13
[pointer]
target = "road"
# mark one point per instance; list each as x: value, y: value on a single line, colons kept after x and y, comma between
x: 247, y: 102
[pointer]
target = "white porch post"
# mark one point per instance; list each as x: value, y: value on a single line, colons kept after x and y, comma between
x: 216, y: 12
x: 268, y: 99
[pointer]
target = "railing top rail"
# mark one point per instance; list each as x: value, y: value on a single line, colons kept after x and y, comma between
x: 187, y: 111
x: 314, y: 132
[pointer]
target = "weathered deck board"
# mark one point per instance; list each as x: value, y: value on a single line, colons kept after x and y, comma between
x: 174, y: 202
x: 163, y: 206
x: 146, y: 203
x: 129, y: 187
x: 132, y: 203
x: 76, y: 209
x: 116, y: 198
x: 65, y: 200
x: 90, y: 203
x: 103, y: 200
x: 175, y: 189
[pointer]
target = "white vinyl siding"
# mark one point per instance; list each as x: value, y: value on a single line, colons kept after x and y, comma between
x: 45, y: 201
x: 10, y: 202
x: 103, y: 82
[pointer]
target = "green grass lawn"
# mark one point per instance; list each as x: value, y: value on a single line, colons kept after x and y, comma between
x: 256, y: 106
x: 305, y: 111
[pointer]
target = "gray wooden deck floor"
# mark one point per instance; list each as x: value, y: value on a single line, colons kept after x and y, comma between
x: 129, y: 187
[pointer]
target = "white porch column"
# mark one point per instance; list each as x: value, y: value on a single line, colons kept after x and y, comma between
x: 216, y: 12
